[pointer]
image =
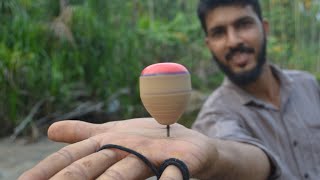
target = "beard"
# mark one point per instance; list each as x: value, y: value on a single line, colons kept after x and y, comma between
x: 247, y: 77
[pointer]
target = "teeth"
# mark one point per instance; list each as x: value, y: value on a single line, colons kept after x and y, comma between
x: 240, y: 59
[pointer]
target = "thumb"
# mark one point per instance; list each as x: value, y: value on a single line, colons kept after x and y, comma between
x: 71, y: 131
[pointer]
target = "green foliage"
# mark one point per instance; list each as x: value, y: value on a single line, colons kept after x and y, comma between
x: 95, y: 48
x: 295, y: 36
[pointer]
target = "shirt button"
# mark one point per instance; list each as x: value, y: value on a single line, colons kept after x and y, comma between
x: 295, y: 143
x: 306, y: 176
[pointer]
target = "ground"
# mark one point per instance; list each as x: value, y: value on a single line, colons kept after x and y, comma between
x: 18, y: 156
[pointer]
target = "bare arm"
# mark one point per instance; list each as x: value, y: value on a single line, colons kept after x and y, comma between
x: 239, y: 161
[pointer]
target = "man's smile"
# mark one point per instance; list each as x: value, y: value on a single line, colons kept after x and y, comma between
x: 240, y: 59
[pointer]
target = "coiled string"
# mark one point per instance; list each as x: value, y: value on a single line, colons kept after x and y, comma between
x: 171, y: 161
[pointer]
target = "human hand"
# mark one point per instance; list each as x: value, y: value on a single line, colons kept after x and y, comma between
x: 81, y: 161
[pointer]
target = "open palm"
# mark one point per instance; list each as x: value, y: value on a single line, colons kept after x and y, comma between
x: 146, y: 136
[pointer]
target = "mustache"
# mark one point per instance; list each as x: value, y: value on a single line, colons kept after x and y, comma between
x: 239, y: 49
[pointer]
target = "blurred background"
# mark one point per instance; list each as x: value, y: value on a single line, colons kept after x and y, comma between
x: 79, y: 59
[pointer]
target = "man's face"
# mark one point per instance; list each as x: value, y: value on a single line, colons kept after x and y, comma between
x: 237, y: 39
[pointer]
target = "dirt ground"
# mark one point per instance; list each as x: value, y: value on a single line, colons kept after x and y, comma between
x: 16, y: 157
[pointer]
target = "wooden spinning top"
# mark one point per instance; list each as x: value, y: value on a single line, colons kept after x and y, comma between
x: 165, y: 89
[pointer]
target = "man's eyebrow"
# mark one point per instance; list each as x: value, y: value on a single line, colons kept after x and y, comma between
x: 213, y: 29
x: 238, y: 20
x: 243, y: 18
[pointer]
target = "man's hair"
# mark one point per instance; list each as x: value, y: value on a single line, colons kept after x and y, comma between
x: 205, y: 6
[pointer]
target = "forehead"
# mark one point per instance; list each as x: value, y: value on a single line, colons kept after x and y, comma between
x: 225, y: 15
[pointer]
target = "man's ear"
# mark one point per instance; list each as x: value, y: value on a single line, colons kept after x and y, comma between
x: 206, y: 40
x: 265, y: 25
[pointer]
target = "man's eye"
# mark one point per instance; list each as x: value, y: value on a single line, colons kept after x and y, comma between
x: 244, y: 24
x: 217, y: 33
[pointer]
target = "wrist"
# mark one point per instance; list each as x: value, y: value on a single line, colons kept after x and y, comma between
x: 208, y: 170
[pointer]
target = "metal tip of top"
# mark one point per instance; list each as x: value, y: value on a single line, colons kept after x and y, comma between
x: 168, y: 130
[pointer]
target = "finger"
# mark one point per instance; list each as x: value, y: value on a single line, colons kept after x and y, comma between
x: 128, y: 168
x: 70, y: 131
x: 61, y: 159
x: 74, y: 131
x: 89, y: 167
x: 171, y: 173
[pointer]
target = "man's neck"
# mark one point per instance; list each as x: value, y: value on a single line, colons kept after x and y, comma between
x: 267, y: 87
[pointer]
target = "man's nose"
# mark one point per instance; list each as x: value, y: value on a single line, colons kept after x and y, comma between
x: 233, y: 39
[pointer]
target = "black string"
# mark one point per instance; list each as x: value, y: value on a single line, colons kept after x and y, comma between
x: 144, y: 159
x: 172, y: 161
x: 178, y: 163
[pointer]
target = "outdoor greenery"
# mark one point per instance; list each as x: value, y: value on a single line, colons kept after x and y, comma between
x: 58, y: 55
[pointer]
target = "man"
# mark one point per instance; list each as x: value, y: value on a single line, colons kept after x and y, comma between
x: 262, y: 123
x: 277, y: 111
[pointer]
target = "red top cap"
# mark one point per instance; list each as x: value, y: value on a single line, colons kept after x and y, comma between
x: 164, y: 69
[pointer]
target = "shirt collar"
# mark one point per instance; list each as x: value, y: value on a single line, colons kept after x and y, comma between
x: 247, y: 99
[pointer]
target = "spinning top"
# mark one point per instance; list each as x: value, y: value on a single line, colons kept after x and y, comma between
x: 165, y: 89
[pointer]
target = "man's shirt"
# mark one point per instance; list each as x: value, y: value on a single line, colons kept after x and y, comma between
x: 290, y: 136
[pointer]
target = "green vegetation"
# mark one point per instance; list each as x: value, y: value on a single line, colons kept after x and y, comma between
x: 65, y: 53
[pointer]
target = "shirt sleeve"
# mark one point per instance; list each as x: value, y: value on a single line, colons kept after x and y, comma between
x: 316, y: 85
x: 226, y: 126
